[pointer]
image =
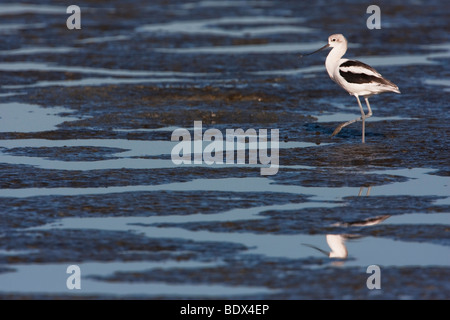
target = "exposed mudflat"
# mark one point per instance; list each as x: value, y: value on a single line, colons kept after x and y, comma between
x: 86, y: 175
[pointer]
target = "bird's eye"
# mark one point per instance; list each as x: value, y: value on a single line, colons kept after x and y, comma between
x: 333, y: 40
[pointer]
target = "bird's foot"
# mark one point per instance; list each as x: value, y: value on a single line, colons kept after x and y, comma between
x: 337, y: 130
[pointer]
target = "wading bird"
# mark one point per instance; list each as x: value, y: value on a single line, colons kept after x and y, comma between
x: 357, y: 78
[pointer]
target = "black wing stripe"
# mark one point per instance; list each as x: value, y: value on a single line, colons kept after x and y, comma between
x: 355, y: 63
x: 363, y: 78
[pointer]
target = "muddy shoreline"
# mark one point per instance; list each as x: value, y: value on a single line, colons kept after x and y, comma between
x: 86, y: 175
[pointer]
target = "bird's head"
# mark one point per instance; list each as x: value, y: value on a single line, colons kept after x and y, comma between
x: 336, y: 40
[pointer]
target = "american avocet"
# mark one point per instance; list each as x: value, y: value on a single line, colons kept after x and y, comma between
x: 357, y: 78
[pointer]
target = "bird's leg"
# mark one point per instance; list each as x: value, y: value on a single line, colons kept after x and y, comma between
x: 361, y: 190
x: 363, y: 117
x: 369, y: 114
x: 339, y: 128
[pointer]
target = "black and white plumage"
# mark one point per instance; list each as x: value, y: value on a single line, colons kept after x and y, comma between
x: 357, y: 72
x: 357, y: 78
x: 360, y: 79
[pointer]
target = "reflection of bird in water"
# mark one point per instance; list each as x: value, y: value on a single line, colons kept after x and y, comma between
x: 337, y: 246
x: 336, y: 242
x: 357, y: 78
x: 363, y: 223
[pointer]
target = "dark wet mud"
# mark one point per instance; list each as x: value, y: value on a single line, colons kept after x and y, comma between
x: 86, y: 176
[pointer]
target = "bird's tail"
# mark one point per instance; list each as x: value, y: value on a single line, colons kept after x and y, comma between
x: 390, y: 86
x: 396, y: 90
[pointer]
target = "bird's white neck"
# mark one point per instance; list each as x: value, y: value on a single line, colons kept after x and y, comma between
x: 333, y: 58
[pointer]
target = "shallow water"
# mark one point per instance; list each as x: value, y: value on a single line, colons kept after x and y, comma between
x: 86, y: 176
